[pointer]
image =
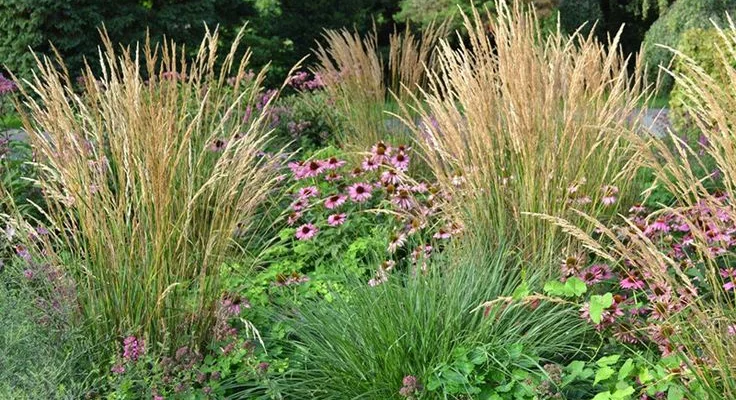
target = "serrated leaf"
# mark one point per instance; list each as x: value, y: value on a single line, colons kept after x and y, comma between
x: 608, y: 360
x: 675, y: 393
x: 554, y: 288
x: 603, y: 374
x: 602, y: 396
x: 622, y: 393
x: 644, y: 375
x: 626, y: 369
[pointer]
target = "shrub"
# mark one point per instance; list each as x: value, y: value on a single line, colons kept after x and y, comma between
x: 574, y: 14
x: 146, y: 182
x: 427, y: 335
x: 669, y: 28
x: 702, y: 46
x: 518, y: 125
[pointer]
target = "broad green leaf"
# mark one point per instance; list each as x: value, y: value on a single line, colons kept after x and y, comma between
x: 576, y: 286
x: 602, y: 396
x: 598, y: 304
x: 622, y: 393
x: 608, y: 360
x: 644, y: 375
x: 675, y: 393
x: 603, y: 374
x: 554, y: 288
x: 521, y: 291
x: 626, y: 369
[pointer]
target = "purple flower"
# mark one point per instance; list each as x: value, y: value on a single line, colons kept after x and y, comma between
x: 7, y: 85
x: 306, y: 232
x: 133, y: 348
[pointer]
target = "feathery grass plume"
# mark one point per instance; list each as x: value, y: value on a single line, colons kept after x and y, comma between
x: 356, y: 77
x: 148, y: 171
x: 518, y: 121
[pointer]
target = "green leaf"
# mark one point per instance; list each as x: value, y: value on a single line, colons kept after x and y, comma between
x: 603, y: 374
x: 554, y: 288
x: 626, y: 369
x: 576, y: 286
x: 608, y: 361
x: 598, y: 304
x: 602, y: 396
x: 675, y: 393
x: 622, y: 393
x: 521, y: 291
x: 478, y: 356
x: 644, y: 375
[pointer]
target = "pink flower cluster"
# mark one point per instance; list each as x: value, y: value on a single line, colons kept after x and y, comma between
x: 133, y: 348
x: 331, y: 192
x: 302, y: 81
x: 7, y: 85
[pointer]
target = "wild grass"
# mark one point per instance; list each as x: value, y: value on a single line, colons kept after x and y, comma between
x: 357, y: 78
x: 148, y: 170
x: 522, y: 121
x: 362, y: 345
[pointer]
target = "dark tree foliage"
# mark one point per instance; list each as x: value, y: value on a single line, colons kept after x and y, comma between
x: 71, y: 25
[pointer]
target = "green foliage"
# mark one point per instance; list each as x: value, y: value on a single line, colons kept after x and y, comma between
x: 702, y: 46
x: 41, y: 357
x: 572, y: 287
x: 668, y: 30
x: 307, y: 120
x: 430, y: 327
x: 576, y: 13
x: 72, y: 26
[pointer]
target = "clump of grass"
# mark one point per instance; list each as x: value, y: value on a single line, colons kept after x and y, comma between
x: 364, y: 344
x: 518, y: 121
x: 148, y: 171
x: 357, y: 78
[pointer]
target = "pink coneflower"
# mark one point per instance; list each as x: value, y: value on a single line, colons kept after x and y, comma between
x: 581, y: 201
x: 632, y: 281
x: 332, y: 177
x: 313, y: 168
x: 306, y: 232
x: 293, y: 218
x: 731, y: 330
x: 369, y: 164
x: 609, y: 194
x: 403, y: 199
x: 333, y: 163
x: 661, y: 309
x: 572, y: 265
x: 659, y: 225
x: 307, y: 192
x: 414, y: 225
x: 297, y: 169
x: 637, y: 209
x: 400, y: 161
x: 300, y: 204
x: 218, y: 145
x: 442, y: 233
x: 356, y: 172
x: 595, y: 274
x: 380, y: 152
x: 360, y: 192
x: 397, y: 241
x: 335, y: 201
x: 390, y: 177
x: 420, y: 187
x: 28, y: 274
x: 729, y: 276
x: 336, y: 219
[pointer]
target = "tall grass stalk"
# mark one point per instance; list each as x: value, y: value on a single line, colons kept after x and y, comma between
x: 148, y: 171
x: 357, y: 78
x: 518, y: 121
